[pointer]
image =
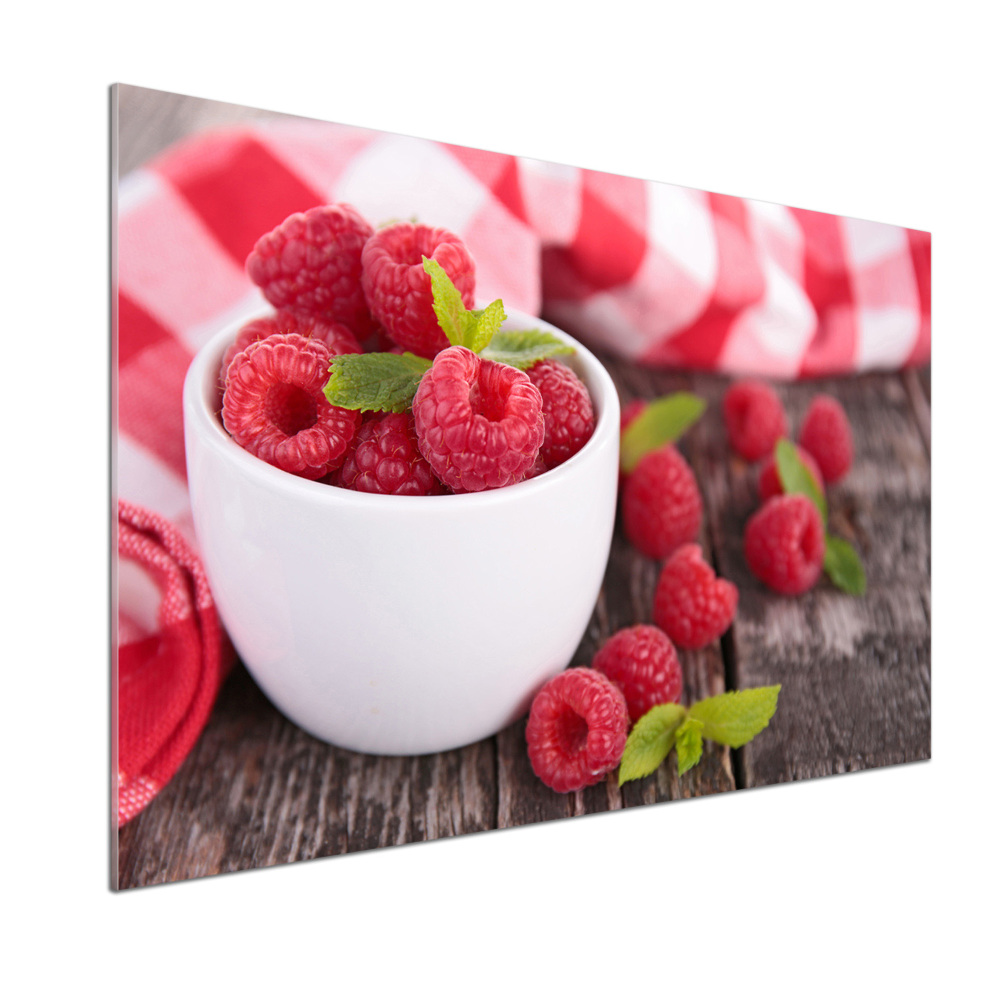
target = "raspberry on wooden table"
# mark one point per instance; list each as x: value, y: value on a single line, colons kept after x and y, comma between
x: 826, y: 435
x: 337, y: 337
x: 566, y: 408
x: 630, y: 411
x: 661, y: 503
x: 769, y: 483
x: 577, y: 729
x: 479, y: 423
x: 754, y: 418
x: 691, y: 604
x: 311, y: 265
x: 642, y: 661
x: 784, y: 544
x: 385, y: 458
x: 398, y: 289
x: 275, y: 408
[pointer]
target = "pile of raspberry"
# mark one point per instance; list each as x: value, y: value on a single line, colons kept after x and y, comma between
x: 339, y: 286
x: 785, y: 540
x: 580, y: 720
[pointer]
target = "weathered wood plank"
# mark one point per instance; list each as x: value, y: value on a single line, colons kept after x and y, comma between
x: 918, y: 385
x: 855, y: 671
x: 258, y: 791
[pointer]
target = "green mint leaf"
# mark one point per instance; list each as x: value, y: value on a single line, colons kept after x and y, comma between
x: 452, y: 316
x: 523, y: 348
x: 662, y: 422
x: 795, y: 477
x: 374, y: 381
x: 650, y: 741
x: 736, y: 717
x: 843, y: 566
x: 689, y: 745
x: 487, y: 323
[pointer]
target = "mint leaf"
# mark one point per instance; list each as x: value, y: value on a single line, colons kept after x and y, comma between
x: 736, y: 717
x: 471, y: 328
x: 374, y: 381
x: 843, y: 566
x: 650, y: 741
x: 452, y: 316
x: 795, y: 477
x: 523, y: 348
x: 689, y: 745
x: 662, y: 422
x: 487, y: 323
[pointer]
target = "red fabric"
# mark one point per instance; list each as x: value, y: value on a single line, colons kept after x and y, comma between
x: 659, y: 274
x: 167, y: 680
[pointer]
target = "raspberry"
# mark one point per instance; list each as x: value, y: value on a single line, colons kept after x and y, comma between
x: 754, y: 417
x: 537, y: 469
x: 384, y: 458
x: 630, y: 411
x: 336, y: 336
x: 398, y: 289
x: 768, y: 483
x: 566, y: 408
x: 311, y: 265
x: 479, y: 423
x: 691, y: 605
x: 784, y: 544
x: 826, y: 435
x: 661, y: 505
x: 274, y: 406
x: 576, y: 730
x: 642, y: 661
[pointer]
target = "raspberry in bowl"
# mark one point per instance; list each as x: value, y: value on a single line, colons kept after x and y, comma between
x: 396, y: 624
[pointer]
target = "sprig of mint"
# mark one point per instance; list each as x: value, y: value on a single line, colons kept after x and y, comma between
x: 840, y: 560
x: 660, y: 423
x: 471, y: 328
x: 387, y: 381
x: 733, y: 719
x: 795, y: 476
x: 374, y: 381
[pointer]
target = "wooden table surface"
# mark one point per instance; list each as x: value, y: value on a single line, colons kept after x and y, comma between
x: 855, y: 672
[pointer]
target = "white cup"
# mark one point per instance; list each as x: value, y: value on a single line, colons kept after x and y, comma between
x: 401, y: 625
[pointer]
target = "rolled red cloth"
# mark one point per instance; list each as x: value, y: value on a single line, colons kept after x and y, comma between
x: 167, y: 679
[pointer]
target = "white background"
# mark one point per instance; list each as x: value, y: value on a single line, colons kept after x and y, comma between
x: 882, y: 883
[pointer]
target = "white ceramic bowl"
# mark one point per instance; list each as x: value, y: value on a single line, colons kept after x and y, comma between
x: 400, y: 625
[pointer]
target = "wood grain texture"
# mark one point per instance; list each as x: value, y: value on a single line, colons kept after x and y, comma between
x: 257, y: 791
x: 855, y: 672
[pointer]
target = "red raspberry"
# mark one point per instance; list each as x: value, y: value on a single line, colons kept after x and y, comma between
x: 384, y: 458
x: 274, y: 406
x: 311, y: 265
x: 336, y: 336
x: 398, y: 289
x: 566, y: 408
x: 642, y: 661
x: 630, y: 411
x: 754, y: 417
x: 537, y: 469
x: 661, y: 505
x: 577, y: 729
x: 691, y: 605
x: 784, y: 544
x: 479, y: 423
x: 826, y: 435
x: 768, y: 483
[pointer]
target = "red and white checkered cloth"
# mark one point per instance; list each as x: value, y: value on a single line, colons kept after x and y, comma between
x: 659, y: 274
